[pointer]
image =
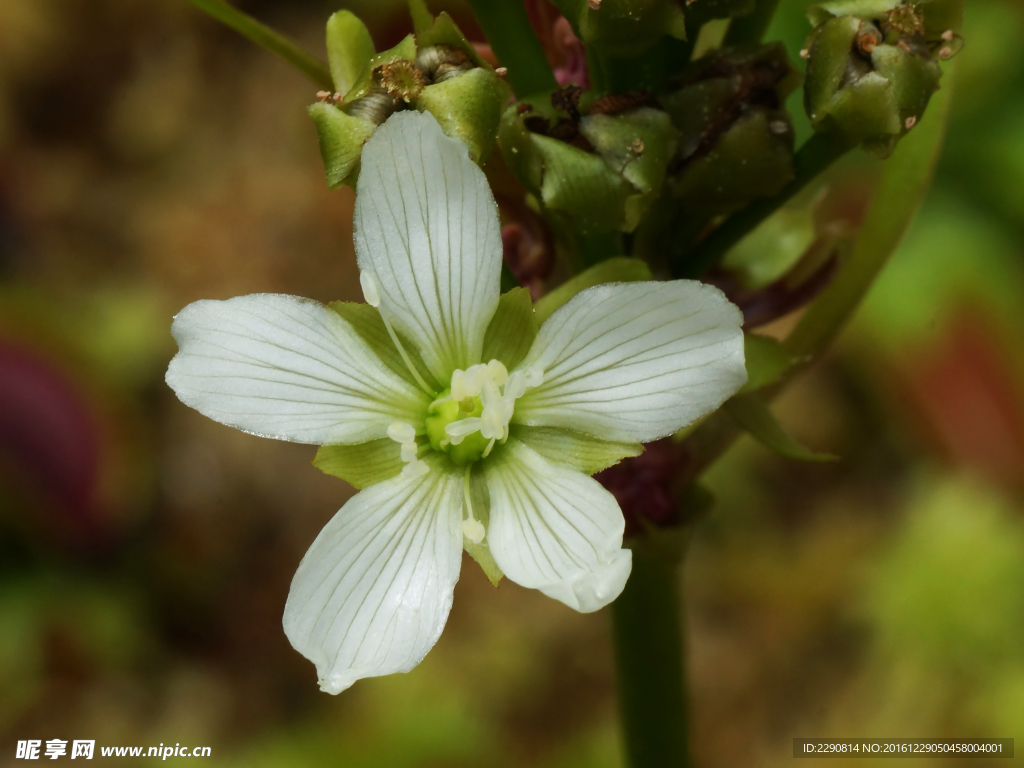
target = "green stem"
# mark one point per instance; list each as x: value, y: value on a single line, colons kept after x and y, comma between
x: 751, y: 29
x: 817, y: 154
x: 267, y: 38
x: 904, y: 182
x: 649, y: 657
x: 507, y: 28
x: 906, y: 179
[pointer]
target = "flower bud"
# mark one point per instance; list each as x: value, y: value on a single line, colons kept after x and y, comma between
x: 872, y: 66
x: 736, y: 139
x: 437, y: 71
x: 623, y: 28
x: 601, y: 165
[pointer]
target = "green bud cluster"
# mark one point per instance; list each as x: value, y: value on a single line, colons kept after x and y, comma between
x: 873, y: 66
x: 599, y: 163
x: 624, y: 28
x: 736, y: 136
x: 434, y: 70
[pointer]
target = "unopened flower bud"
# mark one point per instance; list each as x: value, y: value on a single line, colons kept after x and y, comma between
x: 872, y: 66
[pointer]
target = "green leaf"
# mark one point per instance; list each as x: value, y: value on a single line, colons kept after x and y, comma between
x: 341, y: 139
x: 621, y: 269
x: 269, y: 39
x: 574, y: 449
x: 361, y: 465
x: 367, y: 322
x: 512, y: 329
x: 767, y: 361
x: 349, y: 49
x: 751, y: 413
x: 422, y: 18
x: 482, y: 511
x: 468, y: 107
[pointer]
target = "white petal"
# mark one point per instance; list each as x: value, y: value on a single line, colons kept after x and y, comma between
x: 635, y: 361
x: 555, y: 529
x: 287, y: 368
x: 373, y: 592
x: 426, y: 226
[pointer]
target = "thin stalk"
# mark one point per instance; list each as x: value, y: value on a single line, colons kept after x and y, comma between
x: 649, y: 658
x: 266, y: 37
x: 507, y: 28
x: 905, y: 180
x: 751, y: 29
x: 817, y: 154
x: 907, y: 177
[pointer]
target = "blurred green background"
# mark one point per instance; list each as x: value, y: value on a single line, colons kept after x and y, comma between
x: 149, y: 158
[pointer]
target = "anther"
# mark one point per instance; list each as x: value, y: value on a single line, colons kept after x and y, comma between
x: 369, y: 286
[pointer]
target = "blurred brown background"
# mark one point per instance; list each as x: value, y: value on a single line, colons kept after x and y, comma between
x: 149, y: 158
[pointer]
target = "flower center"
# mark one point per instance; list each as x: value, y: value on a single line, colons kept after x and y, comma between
x: 471, y: 415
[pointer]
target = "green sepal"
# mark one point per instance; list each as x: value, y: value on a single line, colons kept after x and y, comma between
x: 406, y: 49
x: 482, y: 511
x: 574, y: 449
x: 469, y: 108
x: 620, y: 269
x: 766, y: 359
x: 913, y: 78
x: 819, y: 13
x: 829, y: 50
x: 582, y: 186
x: 638, y: 146
x: 866, y: 112
x: 368, y: 324
x: 341, y: 138
x: 753, y: 415
x: 518, y: 151
x: 349, y: 49
x: 512, y: 329
x: 939, y: 15
x: 422, y: 18
x: 361, y: 465
x: 444, y: 31
x: 750, y: 160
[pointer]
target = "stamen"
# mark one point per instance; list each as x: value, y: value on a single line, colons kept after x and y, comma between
x: 472, y: 528
x: 405, y: 435
x: 369, y: 285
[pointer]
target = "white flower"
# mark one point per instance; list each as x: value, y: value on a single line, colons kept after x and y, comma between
x: 462, y: 441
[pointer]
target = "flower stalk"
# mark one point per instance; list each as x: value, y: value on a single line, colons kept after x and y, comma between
x: 650, y: 659
x: 265, y: 37
x: 507, y: 28
x: 810, y: 161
